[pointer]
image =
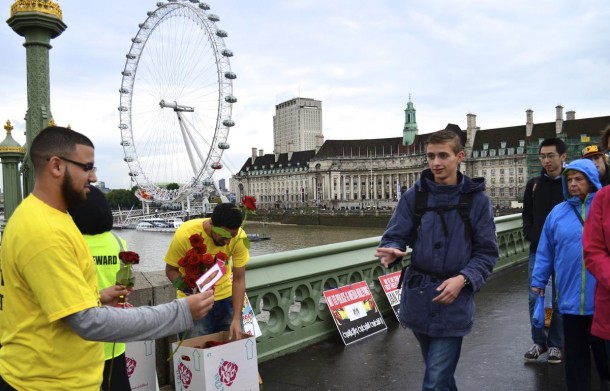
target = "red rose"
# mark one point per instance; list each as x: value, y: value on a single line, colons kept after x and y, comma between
x: 129, y: 257
x: 182, y: 262
x: 207, y: 260
x: 249, y: 203
x: 190, y: 281
x: 192, y: 259
x: 196, y: 241
x: 221, y: 257
x: 191, y: 270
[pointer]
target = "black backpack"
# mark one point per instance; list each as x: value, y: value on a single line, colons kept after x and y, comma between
x: 421, y: 207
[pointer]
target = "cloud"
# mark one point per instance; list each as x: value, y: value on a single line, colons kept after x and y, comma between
x: 361, y: 59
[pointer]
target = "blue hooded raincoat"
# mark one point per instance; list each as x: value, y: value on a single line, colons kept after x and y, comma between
x: 443, y: 254
x: 560, y: 247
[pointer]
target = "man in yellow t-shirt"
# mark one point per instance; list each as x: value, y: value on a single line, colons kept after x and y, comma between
x: 230, y: 289
x: 50, y: 317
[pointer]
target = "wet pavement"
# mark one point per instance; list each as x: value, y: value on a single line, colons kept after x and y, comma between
x: 491, y: 359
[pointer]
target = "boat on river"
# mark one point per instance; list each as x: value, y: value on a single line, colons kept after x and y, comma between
x: 159, y: 225
x: 258, y: 237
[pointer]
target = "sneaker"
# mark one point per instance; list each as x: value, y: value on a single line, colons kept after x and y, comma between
x: 554, y: 356
x: 535, y: 352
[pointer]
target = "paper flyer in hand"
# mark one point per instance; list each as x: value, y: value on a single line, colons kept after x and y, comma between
x: 214, y: 270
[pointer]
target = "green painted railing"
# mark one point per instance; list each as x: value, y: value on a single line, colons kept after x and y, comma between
x: 285, y: 289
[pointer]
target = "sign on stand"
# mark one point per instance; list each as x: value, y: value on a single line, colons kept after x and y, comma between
x: 389, y: 283
x: 354, y: 311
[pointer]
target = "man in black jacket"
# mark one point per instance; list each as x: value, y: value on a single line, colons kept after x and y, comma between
x: 542, y: 193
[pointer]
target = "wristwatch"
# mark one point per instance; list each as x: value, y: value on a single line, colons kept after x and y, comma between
x: 466, y: 280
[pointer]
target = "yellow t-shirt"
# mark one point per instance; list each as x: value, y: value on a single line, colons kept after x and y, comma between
x: 47, y: 275
x: 180, y: 245
x: 105, y: 249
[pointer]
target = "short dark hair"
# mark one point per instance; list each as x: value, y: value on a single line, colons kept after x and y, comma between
x: 55, y: 141
x: 558, y: 143
x: 446, y: 136
x: 227, y: 215
x: 603, y: 140
x: 95, y: 216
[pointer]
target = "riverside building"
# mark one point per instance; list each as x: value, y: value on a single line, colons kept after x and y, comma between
x: 371, y: 173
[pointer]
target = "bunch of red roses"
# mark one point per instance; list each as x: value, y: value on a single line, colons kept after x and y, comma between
x: 195, y: 262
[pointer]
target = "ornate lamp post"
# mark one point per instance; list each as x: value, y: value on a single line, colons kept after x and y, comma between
x: 11, y: 154
x: 38, y: 21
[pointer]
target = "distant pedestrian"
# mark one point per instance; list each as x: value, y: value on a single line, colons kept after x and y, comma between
x: 454, y: 251
x: 560, y: 250
x: 541, y: 195
x: 598, y: 157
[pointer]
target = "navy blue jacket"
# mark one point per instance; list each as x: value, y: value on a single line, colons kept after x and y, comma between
x: 443, y: 254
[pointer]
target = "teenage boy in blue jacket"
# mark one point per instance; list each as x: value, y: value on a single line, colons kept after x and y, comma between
x: 450, y: 259
x: 560, y: 250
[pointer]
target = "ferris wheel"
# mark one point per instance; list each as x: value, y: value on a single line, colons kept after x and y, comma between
x: 176, y: 100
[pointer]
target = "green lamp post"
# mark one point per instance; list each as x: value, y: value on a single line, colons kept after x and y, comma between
x: 38, y: 21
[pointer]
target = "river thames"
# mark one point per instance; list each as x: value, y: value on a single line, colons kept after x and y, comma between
x: 152, y: 246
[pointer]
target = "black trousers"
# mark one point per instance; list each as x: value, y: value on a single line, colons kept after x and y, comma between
x: 119, y: 380
x: 4, y: 386
x: 579, y: 344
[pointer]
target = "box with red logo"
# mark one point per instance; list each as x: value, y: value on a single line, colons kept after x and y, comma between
x: 141, y: 365
x: 211, y: 362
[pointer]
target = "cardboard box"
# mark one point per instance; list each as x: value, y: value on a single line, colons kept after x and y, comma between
x: 231, y: 366
x: 141, y: 365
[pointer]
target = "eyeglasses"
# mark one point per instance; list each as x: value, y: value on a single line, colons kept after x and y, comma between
x: 549, y: 156
x: 85, y: 166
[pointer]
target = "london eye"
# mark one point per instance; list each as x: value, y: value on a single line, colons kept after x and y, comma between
x: 176, y: 100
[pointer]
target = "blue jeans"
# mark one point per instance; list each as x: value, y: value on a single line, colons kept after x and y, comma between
x: 554, y: 338
x: 441, y: 356
x: 218, y: 319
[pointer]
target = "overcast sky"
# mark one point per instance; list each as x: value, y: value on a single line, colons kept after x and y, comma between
x: 362, y: 59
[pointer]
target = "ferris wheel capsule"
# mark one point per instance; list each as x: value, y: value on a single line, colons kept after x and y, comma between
x: 223, y: 145
x: 216, y: 165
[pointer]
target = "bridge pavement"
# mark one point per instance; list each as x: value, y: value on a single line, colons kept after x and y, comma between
x: 492, y: 354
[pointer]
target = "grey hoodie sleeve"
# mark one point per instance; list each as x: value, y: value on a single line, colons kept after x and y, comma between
x: 110, y: 324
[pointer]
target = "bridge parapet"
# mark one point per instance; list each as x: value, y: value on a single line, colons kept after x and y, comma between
x: 285, y: 289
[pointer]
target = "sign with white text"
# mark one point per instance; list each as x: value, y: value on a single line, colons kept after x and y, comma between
x: 354, y: 311
x: 389, y: 284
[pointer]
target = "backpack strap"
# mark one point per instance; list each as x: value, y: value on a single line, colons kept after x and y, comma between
x: 464, y: 210
x: 421, y: 207
x: 578, y: 215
